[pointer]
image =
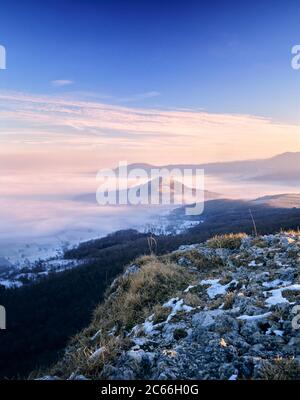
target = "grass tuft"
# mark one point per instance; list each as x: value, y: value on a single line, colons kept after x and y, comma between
x: 281, y: 369
x: 137, y: 296
x: 230, y: 241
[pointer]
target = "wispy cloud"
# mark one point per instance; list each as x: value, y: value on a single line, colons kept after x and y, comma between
x: 139, y: 96
x: 86, y: 95
x: 93, y: 131
x: 61, y: 82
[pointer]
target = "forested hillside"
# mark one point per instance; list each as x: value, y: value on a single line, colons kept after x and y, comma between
x: 42, y: 317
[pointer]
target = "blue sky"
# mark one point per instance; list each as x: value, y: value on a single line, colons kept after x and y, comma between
x: 91, y: 83
x: 223, y: 57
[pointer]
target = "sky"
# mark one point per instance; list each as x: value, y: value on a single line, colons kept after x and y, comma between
x: 89, y: 83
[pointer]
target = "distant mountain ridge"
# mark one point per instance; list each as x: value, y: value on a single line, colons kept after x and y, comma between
x: 286, y: 200
x: 171, y: 186
x: 282, y: 168
x: 279, y: 167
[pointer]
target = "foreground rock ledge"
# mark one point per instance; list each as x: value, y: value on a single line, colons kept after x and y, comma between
x: 236, y: 319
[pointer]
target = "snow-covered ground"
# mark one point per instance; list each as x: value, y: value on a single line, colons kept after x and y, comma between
x: 165, y: 226
x: 31, y: 272
x: 32, y: 262
x: 24, y: 261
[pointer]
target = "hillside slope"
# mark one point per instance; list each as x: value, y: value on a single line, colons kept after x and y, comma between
x: 223, y: 309
x: 49, y: 312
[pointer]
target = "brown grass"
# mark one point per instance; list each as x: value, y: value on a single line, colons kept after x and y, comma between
x: 139, y: 293
x: 230, y: 241
x: 281, y: 369
x: 160, y: 313
x: 294, y: 232
x: 197, y: 260
x: 228, y: 301
x: 291, y: 295
x: 192, y: 300
x: 137, y: 297
x: 259, y: 242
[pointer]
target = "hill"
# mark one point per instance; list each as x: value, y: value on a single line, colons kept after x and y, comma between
x: 222, y: 310
x: 178, y: 192
x: 285, y: 166
x: 280, y: 201
x: 52, y: 310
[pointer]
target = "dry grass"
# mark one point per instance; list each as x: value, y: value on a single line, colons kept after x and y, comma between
x: 292, y: 295
x: 215, y: 303
x: 230, y: 241
x: 228, y: 301
x: 137, y: 297
x: 137, y: 294
x: 293, y: 232
x: 281, y: 369
x: 144, y: 260
x: 260, y: 303
x: 160, y: 313
x: 259, y: 242
x: 192, y: 300
x: 197, y: 260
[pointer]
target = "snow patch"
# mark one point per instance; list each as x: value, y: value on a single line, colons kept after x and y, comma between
x: 216, y: 288
x: 276, y: 295
x: 96, y: 335
x: 97, y: 354
x: 275, y: 283
x: 189, y: 288
x: 254, y: 317
x: 176, y: 305
x: 10, y: 284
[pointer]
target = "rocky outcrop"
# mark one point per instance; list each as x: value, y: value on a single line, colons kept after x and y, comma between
x: 237, y: 319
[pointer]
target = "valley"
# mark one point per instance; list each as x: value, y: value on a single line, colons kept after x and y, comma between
x: 52, y: 308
